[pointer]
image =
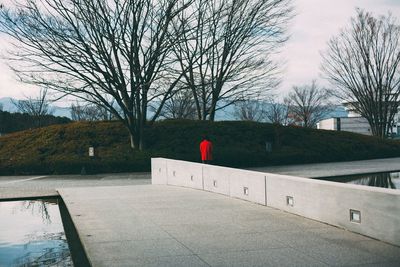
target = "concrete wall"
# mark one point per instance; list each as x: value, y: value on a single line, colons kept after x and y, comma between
x: 216, y: 179
x: 243, y: 184
x: 248, y: 185
x: 158, y: 171
x: 185, y: 174
x: 329, y: 202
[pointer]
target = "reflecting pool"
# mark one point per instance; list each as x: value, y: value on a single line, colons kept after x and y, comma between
x: 382, y: 179
x: 32, y: 234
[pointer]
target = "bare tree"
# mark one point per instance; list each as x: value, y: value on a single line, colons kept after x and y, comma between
x: 78, y: 112
x: 179, y: 106
x: 249, y: 110
x: 363, y: 62
x: 90, y: 112
x: 277, y: 113
x: 1, y: 119
x: 308, y: 104
x: 97, y: 50
x: 38, y: 107
x: 225, y: 57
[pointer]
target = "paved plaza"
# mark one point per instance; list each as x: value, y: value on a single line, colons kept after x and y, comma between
x: 156, y: 225
x: 122, y: 220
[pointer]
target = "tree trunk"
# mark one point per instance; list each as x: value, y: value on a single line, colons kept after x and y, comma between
x: 141, y: 137
x: 132, y: 139
x: 212, y: 110
x: 135, y: 138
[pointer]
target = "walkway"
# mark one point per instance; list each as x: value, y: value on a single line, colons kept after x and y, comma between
x: 45, y: 186
x: 149, y: 225
x: 335, y: 168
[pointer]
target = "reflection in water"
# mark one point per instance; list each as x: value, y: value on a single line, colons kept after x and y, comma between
x: 381, y: 180
x: 32, y: 234
x: 39, y: 207
x: 384, y: 179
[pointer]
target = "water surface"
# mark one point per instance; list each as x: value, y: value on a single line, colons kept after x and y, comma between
x: 382, y: 179
x: 32, y: 234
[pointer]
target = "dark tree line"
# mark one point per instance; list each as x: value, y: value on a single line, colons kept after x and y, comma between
x: 14, y: 122
x: 37, y: 107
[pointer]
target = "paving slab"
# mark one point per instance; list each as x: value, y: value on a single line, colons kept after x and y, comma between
x: 157, y: 225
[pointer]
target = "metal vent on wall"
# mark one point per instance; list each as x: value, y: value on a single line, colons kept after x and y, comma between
x: 355, y: 216
x: 289, y: 201
x: 246, y: 191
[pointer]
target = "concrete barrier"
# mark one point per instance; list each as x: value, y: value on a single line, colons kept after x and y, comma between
x: 158, y: 171
x: 216, y: 179
x: 186, y: 174
x: 370, y: 211
x: 248, y: 185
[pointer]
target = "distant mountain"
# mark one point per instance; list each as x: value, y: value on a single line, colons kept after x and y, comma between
x: 226, y: 114
x: 62, y: 112
x: 8, y: 105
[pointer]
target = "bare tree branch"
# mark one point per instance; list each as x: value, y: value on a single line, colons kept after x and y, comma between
x: 90, y: 112
x: 226, y: 49
x: 308, y: 104
x: 98, y: 50
x: 37, y: 107
x: 277, y: 113
x: 363, y: 63
x: 250, y: 110
x: 179, y: 106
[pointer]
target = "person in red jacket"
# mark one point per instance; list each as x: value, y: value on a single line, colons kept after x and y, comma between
x: 206, y: 149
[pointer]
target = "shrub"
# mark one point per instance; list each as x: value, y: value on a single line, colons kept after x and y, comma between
x: 63, y: 149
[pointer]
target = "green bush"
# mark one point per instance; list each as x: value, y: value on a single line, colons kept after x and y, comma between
x: 63, y: 149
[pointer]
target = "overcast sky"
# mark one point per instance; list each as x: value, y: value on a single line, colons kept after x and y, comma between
x: 315, y: 22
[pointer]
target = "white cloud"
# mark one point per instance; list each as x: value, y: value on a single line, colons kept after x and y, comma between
x: 9, y: 84
x: 316, y: 22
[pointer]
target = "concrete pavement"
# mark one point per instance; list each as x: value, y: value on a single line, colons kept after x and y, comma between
x: 123, y: 221
x: 14, y: 187
x: 335, y: 168
x: 35, y: 186
x: 156, y: 225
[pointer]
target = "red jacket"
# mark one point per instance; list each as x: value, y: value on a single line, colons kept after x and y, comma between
x: 206, y: 149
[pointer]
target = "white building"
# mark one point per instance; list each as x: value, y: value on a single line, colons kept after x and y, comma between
x: 354, y: 123
x: 349, y: 124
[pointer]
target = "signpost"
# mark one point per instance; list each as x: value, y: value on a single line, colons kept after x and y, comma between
x: 91, y: 151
